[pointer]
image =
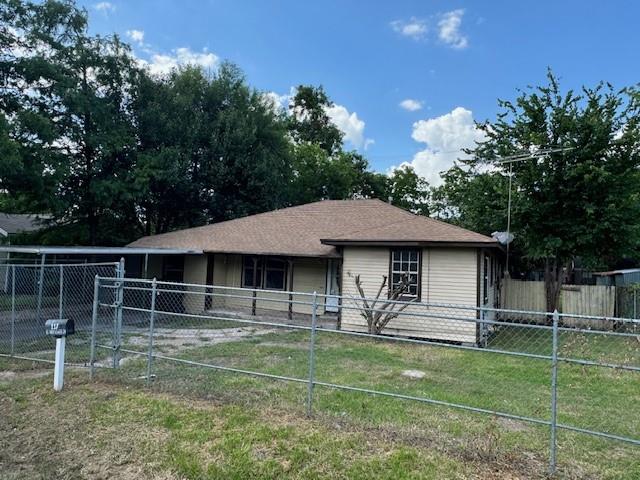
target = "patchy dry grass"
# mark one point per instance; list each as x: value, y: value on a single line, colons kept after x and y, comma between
x: 103, y: 431
x: 199, y: 423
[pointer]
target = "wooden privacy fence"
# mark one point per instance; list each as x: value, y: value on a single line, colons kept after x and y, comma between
x: 596, y: 300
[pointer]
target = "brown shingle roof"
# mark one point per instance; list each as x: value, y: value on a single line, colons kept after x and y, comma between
x: 314, y: 229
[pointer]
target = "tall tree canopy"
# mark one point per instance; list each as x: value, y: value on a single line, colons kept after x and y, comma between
x: 65, y: 98
x: 112, y: 152
x: 309, y: 121
x: 210, y: 141
x: 582, y: 201
x: 408, y: 190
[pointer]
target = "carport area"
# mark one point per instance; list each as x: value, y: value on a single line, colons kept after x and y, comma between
x: 38, y: 283
x: 139, y: 262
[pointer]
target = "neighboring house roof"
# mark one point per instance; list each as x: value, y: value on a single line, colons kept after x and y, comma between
x: 11, y: 223
x: 624, y: 271
x: 315, y: 229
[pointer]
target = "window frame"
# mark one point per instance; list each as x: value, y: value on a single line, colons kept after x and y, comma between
x: 492, y: 268
x: 485, y: 280
x: 418, y: 295
x: 266, y: 268
x: 257, y: 265
x: 262, y: 266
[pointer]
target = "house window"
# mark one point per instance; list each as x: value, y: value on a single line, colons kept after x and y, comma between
x: 251, y: 270
x: 406, y: 262
x: 269, y: 273
x: 173, y: 268
x: 275, y: 274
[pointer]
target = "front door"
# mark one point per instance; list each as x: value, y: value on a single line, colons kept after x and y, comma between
x: 333, y: 286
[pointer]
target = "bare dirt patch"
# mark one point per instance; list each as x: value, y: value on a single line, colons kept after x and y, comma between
x: 176, y: 339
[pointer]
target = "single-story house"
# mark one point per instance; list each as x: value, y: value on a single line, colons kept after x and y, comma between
x: 12, y: 224
x: 321, y: 247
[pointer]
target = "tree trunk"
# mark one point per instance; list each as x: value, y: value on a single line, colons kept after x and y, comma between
x: 555, y: 274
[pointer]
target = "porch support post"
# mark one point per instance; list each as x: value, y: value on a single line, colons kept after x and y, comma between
x: 290, y: 287
x: 254, y: 283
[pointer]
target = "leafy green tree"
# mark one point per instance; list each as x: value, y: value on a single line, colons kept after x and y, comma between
x: 65, y: 99
x: 113, y: 152
x: 408, y: 190
x: 309, y: 121
x: 473, y: 199
x: 209, y: 149
x: 582, y: 201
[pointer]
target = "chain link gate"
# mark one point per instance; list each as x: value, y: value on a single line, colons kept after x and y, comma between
x: 32, y: 294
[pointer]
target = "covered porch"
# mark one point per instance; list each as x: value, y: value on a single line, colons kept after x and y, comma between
x: 258, y: 285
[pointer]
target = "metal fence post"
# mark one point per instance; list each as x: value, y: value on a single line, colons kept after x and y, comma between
x: 482, y: 329
x: 61, y: 292
x: 94, y: 326
x: 152, y: 318
x: 117, y: 321
x: 554, y: 395
x: 13, y: 310
x: 40, y: 287
x: 312, y: 357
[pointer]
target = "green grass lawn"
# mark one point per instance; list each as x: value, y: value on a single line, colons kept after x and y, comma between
x: 200, y: 423
x: 588, y: 397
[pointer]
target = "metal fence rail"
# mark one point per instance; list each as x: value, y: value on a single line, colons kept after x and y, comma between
x: 137, y: 323
x: 30, y: 294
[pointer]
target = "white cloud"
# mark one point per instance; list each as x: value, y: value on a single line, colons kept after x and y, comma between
x: 413, y: 28
x: 105, y: 7
x: 411, y: 105
x: 136, y: 35
x: 276, y: 101
x: 449, y: 29
x: 445, y: 136
x: 350, y: 125
x: 162, y: 64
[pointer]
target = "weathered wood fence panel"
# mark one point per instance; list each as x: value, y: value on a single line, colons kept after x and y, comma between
x: 597, y: 300
x: 521, y: 295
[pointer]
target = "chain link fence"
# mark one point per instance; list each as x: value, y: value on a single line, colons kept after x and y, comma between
x: 555, y: 372
x: 32, y: 294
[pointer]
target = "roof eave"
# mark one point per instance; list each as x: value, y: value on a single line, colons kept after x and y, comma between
x: 409, y: 243
x: 334, y: 254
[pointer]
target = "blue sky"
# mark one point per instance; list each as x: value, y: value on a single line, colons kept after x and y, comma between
x: 451, y: 60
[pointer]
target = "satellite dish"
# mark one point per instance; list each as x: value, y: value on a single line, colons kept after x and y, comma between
x: 504, y: 238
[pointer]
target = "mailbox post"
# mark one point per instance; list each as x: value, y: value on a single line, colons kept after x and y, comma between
x: 59, y: 328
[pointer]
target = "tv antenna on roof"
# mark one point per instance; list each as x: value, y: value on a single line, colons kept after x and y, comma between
x: 535, y: 153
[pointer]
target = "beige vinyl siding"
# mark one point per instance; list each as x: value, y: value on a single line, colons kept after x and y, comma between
x: 195, y: 272
x: 309, y: 275
x: 448, y: 276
